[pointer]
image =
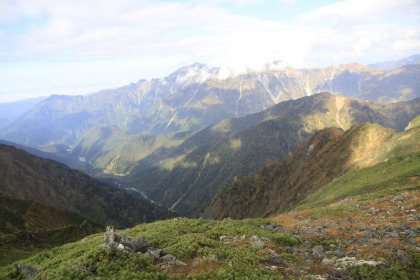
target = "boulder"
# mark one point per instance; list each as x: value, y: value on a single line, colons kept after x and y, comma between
x: 135, y: 244
x: 318, y: 251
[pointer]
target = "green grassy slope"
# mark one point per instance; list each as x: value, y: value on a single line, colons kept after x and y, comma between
x: 391, y: 177
x: 188, y: 240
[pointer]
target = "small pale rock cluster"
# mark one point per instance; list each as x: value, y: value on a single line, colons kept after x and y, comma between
x: 28, y: 271
x: 130, y: 245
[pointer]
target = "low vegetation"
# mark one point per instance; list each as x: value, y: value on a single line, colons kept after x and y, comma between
x: 195, y: 242
x: 396, y: 175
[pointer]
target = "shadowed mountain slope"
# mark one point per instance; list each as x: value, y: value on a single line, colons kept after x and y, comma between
x: 25, y: 176
x: 17, y: 215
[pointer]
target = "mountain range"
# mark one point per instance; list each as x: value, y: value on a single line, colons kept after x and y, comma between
x: 327, y: 156
x: 186, y: 176
x: 197, y: 96
x: 179, y: 139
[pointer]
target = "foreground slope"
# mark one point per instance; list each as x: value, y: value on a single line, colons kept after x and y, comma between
x: 328, y: 155
x: 361, y: 237
x: 25, y: 176
x: 186, y: 177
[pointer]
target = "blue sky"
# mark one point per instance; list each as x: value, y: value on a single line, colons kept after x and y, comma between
x: 81, y: 46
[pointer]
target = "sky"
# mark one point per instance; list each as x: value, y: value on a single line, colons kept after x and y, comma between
x: 82, y: 46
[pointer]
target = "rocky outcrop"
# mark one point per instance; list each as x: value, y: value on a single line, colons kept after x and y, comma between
x: 125, y: 243
x: 130, y: 245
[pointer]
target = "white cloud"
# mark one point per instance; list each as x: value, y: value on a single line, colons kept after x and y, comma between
x: 204, y: 32
x: 140, y: 37
x: 356, y: 10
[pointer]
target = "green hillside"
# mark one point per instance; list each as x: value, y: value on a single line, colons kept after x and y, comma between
x: 391, y: 177
x: 189, y: 241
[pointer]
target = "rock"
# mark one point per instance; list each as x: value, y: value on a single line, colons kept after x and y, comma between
x: 239, y: 238
x: 306, y: 268
x: 265, y: 239
x: 346, y: 199
x: 327, y: 261
x: 271, y: 267
x: 371, y: 257
x: 211, y: 257
x: 318, y: 251
x: 351, y: 261
x: 392, y: 235
x: 223, y: 238
x: 111, y: 239
x: 154, y: 252
x: 275, y: 260
x: 258, y: 243
x: 29, y: 271
x: 169, y: 260
x: 267, y: 226
x: 373, y: 210
x: 135, y: 244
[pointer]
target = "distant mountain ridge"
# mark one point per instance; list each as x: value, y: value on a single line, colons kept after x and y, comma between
x: 197, y: 96
x: 394, y: 64
x: 328, y: 155
x: 9, y: 111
